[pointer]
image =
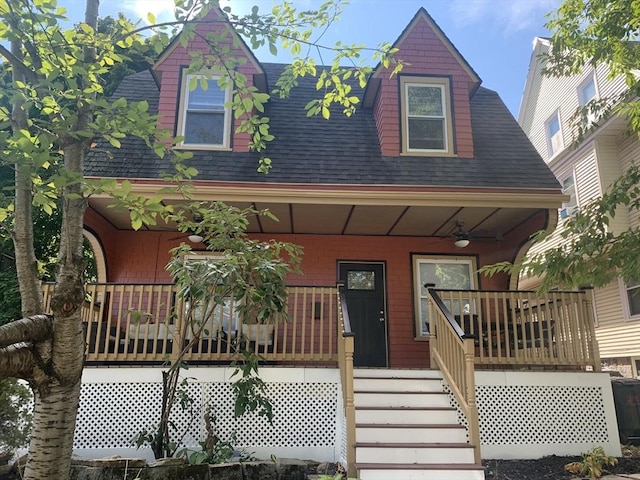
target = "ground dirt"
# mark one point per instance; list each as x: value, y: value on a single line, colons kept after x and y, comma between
x: 552, y: 467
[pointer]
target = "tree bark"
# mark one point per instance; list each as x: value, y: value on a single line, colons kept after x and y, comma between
x: 26, y: 264
x: 54, y: 423
x: 54, y: 360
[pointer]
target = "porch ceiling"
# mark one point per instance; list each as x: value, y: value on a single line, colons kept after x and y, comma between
x: 356, y: 219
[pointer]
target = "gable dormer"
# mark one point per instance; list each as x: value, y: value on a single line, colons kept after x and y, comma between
x: 425, y: 110
x: 196, y: 111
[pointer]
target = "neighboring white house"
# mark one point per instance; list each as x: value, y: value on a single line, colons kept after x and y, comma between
x: 586, y: 170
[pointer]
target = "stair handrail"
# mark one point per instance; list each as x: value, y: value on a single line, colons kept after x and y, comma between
x: 345, y: 363
x: 454, y: 354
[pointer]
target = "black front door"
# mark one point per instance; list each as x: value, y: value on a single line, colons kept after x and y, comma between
x: 365, y: 294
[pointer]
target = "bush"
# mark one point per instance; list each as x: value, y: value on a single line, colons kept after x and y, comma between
x: 15, y: 415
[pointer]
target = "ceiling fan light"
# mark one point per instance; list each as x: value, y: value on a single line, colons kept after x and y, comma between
x: 195, y: 238
x: 461, y: 242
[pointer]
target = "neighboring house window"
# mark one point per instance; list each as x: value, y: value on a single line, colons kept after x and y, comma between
x: 633, y: 298
x: 554, y: 134
x: 586, y: 93
x: 569, y: 188
x: 449, y: 273
x: 426, y: 116
x: 204, y: 120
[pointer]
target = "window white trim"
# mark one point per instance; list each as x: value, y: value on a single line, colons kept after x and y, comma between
x: 584, y: 98
x: 420, y: 294
x: 555, y: 141
x: 442, y: 84
x: 184, y: 110
x: 624, y: 294
x: 569, y: 188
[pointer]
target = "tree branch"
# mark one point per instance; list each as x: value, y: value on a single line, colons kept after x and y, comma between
x: 17, y: 362
x: 16, y: 62
x: 31, y: 329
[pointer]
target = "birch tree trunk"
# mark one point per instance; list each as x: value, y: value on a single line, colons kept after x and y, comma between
x: 54, y: 359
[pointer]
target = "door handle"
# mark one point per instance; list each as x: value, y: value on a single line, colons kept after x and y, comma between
x: 381, y: 316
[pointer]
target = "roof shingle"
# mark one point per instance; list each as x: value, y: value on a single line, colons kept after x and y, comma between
x: 342, y: 150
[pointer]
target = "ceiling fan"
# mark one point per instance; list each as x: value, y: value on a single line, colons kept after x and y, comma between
x: 193, y: 236
x: 463, y: 237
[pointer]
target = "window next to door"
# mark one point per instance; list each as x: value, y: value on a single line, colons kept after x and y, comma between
x: 446, y: 272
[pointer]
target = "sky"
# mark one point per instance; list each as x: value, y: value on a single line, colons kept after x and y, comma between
x: 494, y: 36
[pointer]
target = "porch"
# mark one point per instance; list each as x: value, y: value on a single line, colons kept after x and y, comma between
x: 470, y: 331
x: 141, y: 323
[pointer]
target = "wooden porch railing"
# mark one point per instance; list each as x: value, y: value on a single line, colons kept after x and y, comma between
x: 143, y: 323
x: 527, y: 329
x: 345, y: 363
x: 453, y: 354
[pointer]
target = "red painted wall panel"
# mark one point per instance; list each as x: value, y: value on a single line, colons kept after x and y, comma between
x: 426, y: 55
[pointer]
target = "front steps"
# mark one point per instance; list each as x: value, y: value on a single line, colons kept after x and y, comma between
x: 407, y: 430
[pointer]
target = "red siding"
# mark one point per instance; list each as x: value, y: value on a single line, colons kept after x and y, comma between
x: 169, y: 69
x: 426, y: 55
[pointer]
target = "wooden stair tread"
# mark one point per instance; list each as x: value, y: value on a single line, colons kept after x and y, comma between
x: 396, y: 377
x: 412, y: 409
x: 414, y: 445
x: 408, y: 425
x: 419, y: 466
x: 395, y: 392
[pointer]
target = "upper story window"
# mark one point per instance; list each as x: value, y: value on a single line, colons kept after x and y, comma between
x: 426, y: 116
x: 569, y: 188
x: 587, y: 92
x: 633, y: 298
x: 554, y: 134
x: 203, y: 120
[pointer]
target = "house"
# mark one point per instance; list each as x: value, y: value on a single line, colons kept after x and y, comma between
x: 397, y: 355
x: 586, y: 170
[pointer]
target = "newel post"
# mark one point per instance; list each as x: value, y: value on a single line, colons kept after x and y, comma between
x: 350, y: 410
x: 470, y: 394
x: 590, y: 327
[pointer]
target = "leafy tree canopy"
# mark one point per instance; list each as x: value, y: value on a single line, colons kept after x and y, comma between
x: 588, y: 33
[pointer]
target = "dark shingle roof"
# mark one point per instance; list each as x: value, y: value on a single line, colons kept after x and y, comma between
x: 342, y: 150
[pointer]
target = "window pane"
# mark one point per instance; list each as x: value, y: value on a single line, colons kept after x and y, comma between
x: 454, y: 276
x: 426, y: 134
x: 587, y: 92
x: 553, y: 126
x: 424, y: 101
x: 569, y: 188
x: 204, y: 128
x: 365, y: 280
x: 210, y: 99
x: 424, y: 317
x: 634, y: 300
x: 445, y: 275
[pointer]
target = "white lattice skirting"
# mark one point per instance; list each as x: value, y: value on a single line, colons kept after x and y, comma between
x: 533, y: 414
x: 117, y: 403
x: 522, y: 414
